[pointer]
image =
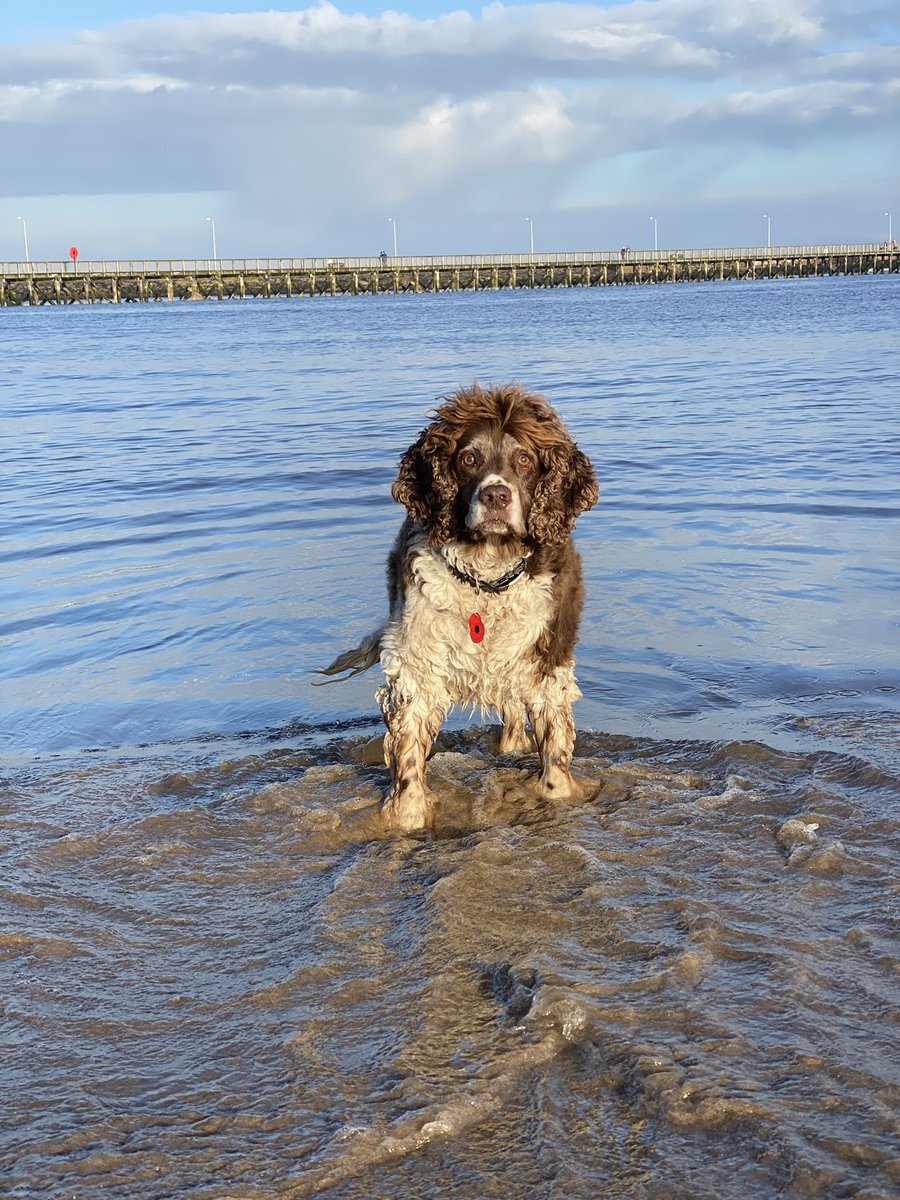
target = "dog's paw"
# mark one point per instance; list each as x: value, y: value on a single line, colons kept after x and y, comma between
x: 409, y: 811
x: 560, y: 785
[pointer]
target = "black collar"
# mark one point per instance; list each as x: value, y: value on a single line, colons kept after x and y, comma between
x: 487, y: 585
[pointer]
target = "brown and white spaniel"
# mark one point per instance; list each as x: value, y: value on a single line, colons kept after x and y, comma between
x: 485, y: 589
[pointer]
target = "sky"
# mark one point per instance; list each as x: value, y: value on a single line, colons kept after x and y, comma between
x: 137, y: 128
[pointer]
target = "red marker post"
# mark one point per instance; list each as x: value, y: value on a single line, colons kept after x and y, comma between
x: 73, y: 254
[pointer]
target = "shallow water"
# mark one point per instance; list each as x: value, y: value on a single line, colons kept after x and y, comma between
x: 220, y: 977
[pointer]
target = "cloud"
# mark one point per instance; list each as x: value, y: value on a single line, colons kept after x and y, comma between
x: 454, y: 53
x: 338, y: 114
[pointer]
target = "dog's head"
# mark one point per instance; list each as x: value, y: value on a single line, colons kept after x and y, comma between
x: 495, y: 464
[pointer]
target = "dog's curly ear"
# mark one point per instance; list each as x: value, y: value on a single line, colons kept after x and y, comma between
x: 410, y: 488
x: 425, y: 485
x: 567, y: 488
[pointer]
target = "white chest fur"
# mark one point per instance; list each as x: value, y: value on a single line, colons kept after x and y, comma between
x: 429, y: 647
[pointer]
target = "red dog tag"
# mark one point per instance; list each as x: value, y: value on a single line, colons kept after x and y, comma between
x: 476, y: 627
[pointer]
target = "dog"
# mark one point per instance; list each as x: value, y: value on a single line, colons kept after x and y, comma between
x: 485, y: 590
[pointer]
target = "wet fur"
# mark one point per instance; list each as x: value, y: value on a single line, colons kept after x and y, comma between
x: 494, y: 478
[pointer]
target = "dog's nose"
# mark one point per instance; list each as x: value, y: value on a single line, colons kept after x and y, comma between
x: 495, y: 495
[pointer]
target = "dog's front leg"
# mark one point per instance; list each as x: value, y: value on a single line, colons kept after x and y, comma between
x: 412, y: 725
x: 513, y: 737
x: 550, y: 713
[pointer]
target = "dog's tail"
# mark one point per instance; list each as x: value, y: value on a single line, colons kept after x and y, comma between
x: 354, y: 662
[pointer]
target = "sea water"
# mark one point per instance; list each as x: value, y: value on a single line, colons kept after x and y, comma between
x: 221, y: 978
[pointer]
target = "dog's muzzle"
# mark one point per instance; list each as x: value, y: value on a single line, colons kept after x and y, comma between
x: 495, y: 508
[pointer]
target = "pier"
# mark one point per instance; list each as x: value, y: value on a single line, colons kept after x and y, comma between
x: 38, y: 283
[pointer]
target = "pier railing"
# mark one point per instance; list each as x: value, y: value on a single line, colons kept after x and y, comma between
x: 169, y: 266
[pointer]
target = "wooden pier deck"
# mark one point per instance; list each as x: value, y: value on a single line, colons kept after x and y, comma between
x: 40, y: 283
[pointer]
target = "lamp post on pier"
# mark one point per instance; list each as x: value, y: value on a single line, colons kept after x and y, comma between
x: 212, y: 226
x: 25, y: 236
x: 768, y: 221
x: 655, y: 237
x: 890, y: 228
x: 530, y: 235
x: 393, y: 225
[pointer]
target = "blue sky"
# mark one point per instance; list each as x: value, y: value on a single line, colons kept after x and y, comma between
x: 301, y: 128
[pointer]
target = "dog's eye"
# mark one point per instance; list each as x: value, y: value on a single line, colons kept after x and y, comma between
x: 468, y: 459
x: 523, y: 458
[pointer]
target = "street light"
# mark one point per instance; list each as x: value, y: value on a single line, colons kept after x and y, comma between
x: 25, y: 236
x: 394, y: 231
x: 655, y: 238
x: 890, y: 228
x: 212, y: 225
x: 530, y: 234
x: 768, y: 221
